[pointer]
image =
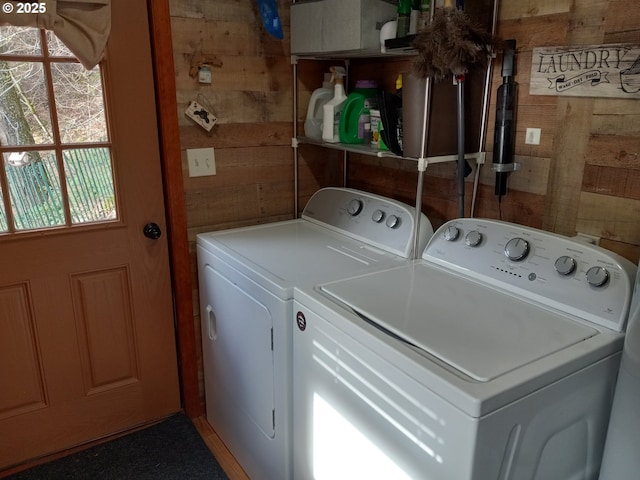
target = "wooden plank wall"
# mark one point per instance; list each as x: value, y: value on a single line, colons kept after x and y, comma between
x: 582, y: 177
x: 251, y: 95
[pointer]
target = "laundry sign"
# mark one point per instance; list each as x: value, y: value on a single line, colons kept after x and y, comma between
x: 587, y: 71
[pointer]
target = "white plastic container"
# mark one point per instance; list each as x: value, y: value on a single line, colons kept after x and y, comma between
x: 333, y: 108
x: 324, y: 26
x: 315, y: 112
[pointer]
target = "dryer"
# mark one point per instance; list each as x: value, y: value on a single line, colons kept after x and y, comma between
x: 246, y: 280
x: 492, y: 357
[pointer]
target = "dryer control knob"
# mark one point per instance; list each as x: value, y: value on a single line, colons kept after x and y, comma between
x: 354, y: 207
x: 516, y: 249
x: 377, y: 216
x: 393, y: 221
x: 473, y: 238
x: 597, y: 276
x: 565, y: 265
x: 451, y: 233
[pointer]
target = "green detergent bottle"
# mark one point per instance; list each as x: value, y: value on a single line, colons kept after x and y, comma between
x: 355, y: 121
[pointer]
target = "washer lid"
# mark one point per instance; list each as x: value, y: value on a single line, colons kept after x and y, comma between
x: 477, y: 330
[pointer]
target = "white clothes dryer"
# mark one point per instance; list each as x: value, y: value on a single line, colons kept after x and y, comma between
x: 492, y: 357
x: 246, y: 280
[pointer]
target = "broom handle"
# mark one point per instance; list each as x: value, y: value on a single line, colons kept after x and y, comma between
x: 461, y: 146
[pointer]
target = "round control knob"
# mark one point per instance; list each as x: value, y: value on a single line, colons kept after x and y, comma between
x: 516, y: 249
x: 354, y: 207
x: 377, y: 216
x: 597, y: 276
x: 451, y: 233
x: 393, y: 221
x: 473, y: 238
x: 565, y: 265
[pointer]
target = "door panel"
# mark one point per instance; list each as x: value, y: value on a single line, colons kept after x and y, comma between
x: 104, y: 324
x: 87, y: 344
x: 19, y: 350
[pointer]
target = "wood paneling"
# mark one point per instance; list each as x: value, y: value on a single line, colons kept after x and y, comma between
x: 615, y: 218
x: 252, y: 95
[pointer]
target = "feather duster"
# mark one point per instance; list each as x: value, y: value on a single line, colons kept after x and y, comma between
x: 451, y: 43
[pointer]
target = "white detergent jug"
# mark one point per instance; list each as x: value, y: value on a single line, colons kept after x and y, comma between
x: 320, y: 96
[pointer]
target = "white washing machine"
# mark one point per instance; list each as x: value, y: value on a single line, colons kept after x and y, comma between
x: 493, y: 357
x: 246, y: 280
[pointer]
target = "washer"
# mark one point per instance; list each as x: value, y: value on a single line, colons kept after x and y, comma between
x: 492, y: 357
x: 246, y: 278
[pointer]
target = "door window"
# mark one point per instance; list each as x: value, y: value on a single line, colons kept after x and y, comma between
x: 54, y: 137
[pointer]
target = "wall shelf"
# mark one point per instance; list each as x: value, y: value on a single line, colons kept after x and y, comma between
x: 478, y: 157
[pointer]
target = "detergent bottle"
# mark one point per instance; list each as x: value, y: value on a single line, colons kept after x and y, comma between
x: 332, y: 110
x: 320, y: 96
x: 355, y: 121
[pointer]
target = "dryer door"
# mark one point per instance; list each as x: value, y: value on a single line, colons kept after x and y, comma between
x: 238, y: 357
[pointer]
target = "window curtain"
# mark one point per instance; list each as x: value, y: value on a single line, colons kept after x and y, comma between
x: 82, y: 25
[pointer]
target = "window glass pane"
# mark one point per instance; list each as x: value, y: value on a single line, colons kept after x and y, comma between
x: 56, y: 47
x: 20, y: 41
x: 90, y: 185
x: 24, y: 105
x: 79, y: 103
x: 34, y: 189
x: 3, y: 215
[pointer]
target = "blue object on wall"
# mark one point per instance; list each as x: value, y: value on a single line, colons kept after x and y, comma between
x: 270, y: 18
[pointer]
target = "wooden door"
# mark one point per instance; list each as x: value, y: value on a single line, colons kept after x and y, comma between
x: 87, y: 343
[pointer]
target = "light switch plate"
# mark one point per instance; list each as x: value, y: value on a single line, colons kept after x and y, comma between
x: 202, y: 162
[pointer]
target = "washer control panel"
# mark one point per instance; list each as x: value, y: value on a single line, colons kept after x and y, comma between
x: 379, y: 221
x: 580, y: 279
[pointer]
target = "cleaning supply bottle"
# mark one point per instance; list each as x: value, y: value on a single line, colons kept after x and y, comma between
x: 319, y: 97
x: 332, y: 110
x: 415, y: 17
x: 355, y: 121
x: 404, y: 18
x: 425, y: 14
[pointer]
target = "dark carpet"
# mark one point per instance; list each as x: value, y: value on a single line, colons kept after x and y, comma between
x: 170, y: 450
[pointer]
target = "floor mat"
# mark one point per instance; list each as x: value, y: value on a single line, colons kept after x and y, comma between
x: 170, y: 450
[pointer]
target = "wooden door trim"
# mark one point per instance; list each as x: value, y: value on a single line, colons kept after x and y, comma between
x: 164, y: 73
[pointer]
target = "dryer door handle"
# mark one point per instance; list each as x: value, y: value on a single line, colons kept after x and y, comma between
x: 212, y: 324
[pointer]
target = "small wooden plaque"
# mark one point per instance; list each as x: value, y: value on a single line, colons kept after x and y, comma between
x: 587, y: 71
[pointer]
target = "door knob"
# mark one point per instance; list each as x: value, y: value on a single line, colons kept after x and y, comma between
x: 152, y: 231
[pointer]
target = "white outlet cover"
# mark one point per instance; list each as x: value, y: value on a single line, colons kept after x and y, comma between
x: 201, y: 161
x: 532, y: 136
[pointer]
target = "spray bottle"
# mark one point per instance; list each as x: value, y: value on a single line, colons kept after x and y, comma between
x: 315, y: 113
x: 332, y: 110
